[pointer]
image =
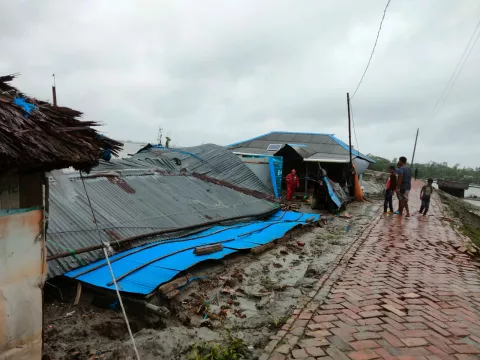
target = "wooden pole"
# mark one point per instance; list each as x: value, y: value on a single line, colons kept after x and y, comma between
x: 415, y: 147
x: 349, y: 133
x: 54, y: 91
x: 306, y: 178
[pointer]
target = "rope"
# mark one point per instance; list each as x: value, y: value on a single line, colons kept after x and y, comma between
x: 107, y: 245
x: 121, y: 303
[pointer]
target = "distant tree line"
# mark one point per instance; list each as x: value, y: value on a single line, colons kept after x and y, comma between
x: 433, y: 169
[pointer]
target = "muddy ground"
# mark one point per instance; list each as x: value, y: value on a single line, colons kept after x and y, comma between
x: 247, y: 296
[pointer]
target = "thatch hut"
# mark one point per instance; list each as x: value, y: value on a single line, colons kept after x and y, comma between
x: 40, y: 136
x: 35, y: 137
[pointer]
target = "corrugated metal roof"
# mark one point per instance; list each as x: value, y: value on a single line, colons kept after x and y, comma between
x: 209, y: 159
x: 131, y: 163
x: 322, y: 157
x: 134, y: 204
x: 141, y: 270
x: 316, y: 143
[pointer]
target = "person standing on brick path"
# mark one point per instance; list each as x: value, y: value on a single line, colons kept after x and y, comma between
x: 404, y: 185
x: 390, y: 188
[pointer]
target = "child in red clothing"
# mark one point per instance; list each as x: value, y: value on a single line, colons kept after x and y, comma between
x: 389, y: 191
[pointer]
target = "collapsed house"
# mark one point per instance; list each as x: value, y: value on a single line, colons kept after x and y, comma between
x: 314, y: 157
x: 35, y: 138
x: 157, y: 211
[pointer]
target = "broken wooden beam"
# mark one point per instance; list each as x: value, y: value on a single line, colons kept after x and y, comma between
x: 262, y: 248
x: 160, y: 310
x: 79, y: 293
x: 175, y: 284
x: 208, y: 249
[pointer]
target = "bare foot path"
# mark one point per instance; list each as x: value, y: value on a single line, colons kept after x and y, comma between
x: 401, y: 291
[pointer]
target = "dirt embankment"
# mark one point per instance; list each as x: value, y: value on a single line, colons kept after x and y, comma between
x: 463, y: 216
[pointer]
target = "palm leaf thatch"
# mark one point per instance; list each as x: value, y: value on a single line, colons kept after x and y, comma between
x: 48, y: 137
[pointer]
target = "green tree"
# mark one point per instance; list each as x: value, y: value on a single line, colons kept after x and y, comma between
x: 434, y: 170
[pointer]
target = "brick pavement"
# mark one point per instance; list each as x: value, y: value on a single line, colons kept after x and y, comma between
x: 401, y: 291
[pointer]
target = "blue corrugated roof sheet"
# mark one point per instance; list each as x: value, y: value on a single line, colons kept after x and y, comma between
x: 142, y: 269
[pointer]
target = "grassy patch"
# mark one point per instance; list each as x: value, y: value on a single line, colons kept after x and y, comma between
x: 267, y: 283
x: 472, y: 232
x: 327, y: 236
x: 335, y: 242
x: 276, y: 323
x: 236, y: 349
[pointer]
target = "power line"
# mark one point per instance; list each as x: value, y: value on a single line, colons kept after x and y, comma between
x: 373, y: 50
x: 456, y: 72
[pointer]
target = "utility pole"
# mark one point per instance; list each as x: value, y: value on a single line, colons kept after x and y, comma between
x: 160, y: 134
x: 415, y: 147
x: 54, y: 91
x: 349, y: 133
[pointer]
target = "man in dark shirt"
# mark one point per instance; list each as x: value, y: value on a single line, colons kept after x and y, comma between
x: 404, y: 185
x: 390, y: 189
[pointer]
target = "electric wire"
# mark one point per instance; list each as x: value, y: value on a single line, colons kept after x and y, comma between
x: 373, y: 50
x: 456, y: 73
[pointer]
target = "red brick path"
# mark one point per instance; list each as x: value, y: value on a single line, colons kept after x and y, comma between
x: 401, y: 291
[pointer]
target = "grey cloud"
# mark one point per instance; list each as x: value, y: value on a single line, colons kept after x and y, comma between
x: 221, y: 71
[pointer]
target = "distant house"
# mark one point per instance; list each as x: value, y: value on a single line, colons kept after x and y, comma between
x: 272, y: 156
x: 35, y: 138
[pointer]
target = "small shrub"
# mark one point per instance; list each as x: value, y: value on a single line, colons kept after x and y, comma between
x: 236, y: 349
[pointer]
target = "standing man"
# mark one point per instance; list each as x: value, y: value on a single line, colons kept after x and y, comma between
x: 404, y: 185
x: 416, y: 173
x: 389, y: 190
x: 292, y: 184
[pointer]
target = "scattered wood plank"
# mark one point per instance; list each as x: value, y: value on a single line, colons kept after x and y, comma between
x: 262, y: 248
x: 209, y: 249
x: 79, y: 293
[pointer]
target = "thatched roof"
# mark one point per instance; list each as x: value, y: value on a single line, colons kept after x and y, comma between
x: 48, y: 137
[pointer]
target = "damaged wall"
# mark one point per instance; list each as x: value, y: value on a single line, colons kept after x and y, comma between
x: 22, y: 273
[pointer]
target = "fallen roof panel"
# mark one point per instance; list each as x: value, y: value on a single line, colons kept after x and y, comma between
x: 133, y: 205
x: 208, y: 159
x: 142, y: 269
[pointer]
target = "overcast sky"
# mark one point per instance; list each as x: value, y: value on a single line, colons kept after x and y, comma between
x: 222, y: 71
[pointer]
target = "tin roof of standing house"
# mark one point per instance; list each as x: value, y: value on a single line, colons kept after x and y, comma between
x: 35, y: 135
x: 311, y: 146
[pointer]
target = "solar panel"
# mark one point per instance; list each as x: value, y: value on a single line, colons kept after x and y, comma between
x: 274, y: 147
